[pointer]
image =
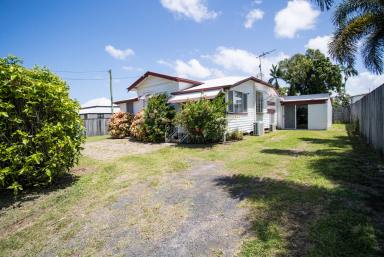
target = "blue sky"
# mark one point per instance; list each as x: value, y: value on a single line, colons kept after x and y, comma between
x: 199, y: 39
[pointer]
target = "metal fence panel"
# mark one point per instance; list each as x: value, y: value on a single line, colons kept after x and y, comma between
x: 369, y: 113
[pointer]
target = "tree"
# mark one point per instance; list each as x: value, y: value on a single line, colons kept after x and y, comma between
x: 204, y: 119
x: 275, y: 74
x: 311, y: 73
x: 359, y: 23
x: 157, y: 116
x: 40, y: 128
x: 119, y: 125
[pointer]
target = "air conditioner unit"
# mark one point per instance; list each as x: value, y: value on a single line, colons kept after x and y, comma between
x: 258, y: 129
x: 272, y: 127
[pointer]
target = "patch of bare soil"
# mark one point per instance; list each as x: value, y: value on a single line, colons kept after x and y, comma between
x: 110, y: 149
x: 179, y: 214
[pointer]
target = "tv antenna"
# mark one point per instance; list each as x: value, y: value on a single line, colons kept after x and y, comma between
x: 261, y: 56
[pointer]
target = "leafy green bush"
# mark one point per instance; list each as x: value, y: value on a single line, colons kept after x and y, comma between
x: 204, y: 119
x: 120, y: 124
x: 40, y: 128
x: 235, y: 135
x: 157, y: 116
x: 138, y: 129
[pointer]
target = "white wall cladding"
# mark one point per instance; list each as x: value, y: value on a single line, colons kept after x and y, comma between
x: 244, y: 122
x: 318, y: 116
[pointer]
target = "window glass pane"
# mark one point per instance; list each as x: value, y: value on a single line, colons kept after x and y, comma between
x: 230, y: 101
x: 245, y: 102
x: 238, y: 100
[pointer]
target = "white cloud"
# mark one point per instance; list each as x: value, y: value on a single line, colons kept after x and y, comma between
x: 117, y: 53
x: 258, y: 2
x: 320, y: 43
x: 194, y: 9
x: 298, y: 15
x: 244, y: 61
x: 191, y: 69
x: 252, y: 16
x: 363, y: 83
x: 130, y: 68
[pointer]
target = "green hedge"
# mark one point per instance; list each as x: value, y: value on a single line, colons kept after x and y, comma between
x: 40, y: 128
x: 204, y: 119
x: 157, y: 116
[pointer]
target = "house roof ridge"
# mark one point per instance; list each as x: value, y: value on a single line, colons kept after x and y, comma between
x: 164, y: 76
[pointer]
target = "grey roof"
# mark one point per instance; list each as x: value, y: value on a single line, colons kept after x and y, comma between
x: 306, y: 97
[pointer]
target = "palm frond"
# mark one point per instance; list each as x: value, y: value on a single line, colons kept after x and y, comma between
x: 373, y: 51
x: 350, y: 9
x: 324, y: 4
x: 343, y: 46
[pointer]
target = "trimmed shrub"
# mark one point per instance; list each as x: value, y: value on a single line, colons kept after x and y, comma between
x: 120, y: 124
x: 158, y: 115
x: 235, y: 135
x: 204, y: 119
x: 138, y: 129
x: 40, y: 128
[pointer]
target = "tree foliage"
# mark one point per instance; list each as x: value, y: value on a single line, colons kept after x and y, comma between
x: 359, y: 24
x: 138, y: 129
x: 275, y: 73
x: 157, y: 116
x: 120, y: 124
x: 204, y: 119
x: 40, y: 128
x: 311, y: 73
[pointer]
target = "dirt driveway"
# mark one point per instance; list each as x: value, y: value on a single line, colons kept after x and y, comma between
x: 180, y: 214
x: 110, y: 149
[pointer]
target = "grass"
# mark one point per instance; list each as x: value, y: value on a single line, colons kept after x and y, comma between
x: 97, y: 138
x: 309, y: 193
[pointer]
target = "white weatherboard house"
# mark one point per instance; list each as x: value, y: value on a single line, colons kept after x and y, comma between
x: 250, y: 101
x: 99, y: 108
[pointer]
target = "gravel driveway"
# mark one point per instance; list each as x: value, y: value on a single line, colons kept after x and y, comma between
x: 110, y: 149
x: 179, y: 214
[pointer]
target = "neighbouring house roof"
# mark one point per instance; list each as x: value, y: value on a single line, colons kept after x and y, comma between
x: 129, y: 100
x: 98, y: 105
x: 305, y: 99
x: 159, y: 75
x: 103, y: 101
x: 219, y: 83
x: 181, y: 98
x: 98, y: 109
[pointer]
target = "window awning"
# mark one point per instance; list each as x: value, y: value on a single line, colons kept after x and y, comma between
x: 182, y: 98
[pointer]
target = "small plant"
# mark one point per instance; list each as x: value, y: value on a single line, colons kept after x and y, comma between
x: 40, y: 128
x: 158, y: 115
x: 235, y: 135
x: 120, y: 124
x: 204, y: 119
x: 138, y: 128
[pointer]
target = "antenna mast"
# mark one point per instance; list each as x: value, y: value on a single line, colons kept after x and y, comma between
x: 260, y: 56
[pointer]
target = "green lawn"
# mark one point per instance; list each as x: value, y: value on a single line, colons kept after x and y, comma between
x: 97, y: 138
x: 310, y: 193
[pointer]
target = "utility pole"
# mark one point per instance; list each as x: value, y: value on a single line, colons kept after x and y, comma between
x: 110, y: 88
x: 260, y: 56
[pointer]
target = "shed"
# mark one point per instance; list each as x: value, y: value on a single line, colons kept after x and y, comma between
x: 306, y: 112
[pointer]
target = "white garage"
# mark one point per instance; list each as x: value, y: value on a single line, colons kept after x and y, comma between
x: 306, y: 112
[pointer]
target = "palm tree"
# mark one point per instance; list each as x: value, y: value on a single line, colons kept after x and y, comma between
x: 348, y: 71
x: 324, y: 4
x: 275, y: 74
x: 359, y: 21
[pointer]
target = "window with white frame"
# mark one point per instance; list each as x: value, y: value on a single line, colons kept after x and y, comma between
x: 259, y: 101
x: 238, y: 102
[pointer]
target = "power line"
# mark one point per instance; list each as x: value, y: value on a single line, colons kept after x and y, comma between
x: 83, y: 79
x: 91, y: 71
